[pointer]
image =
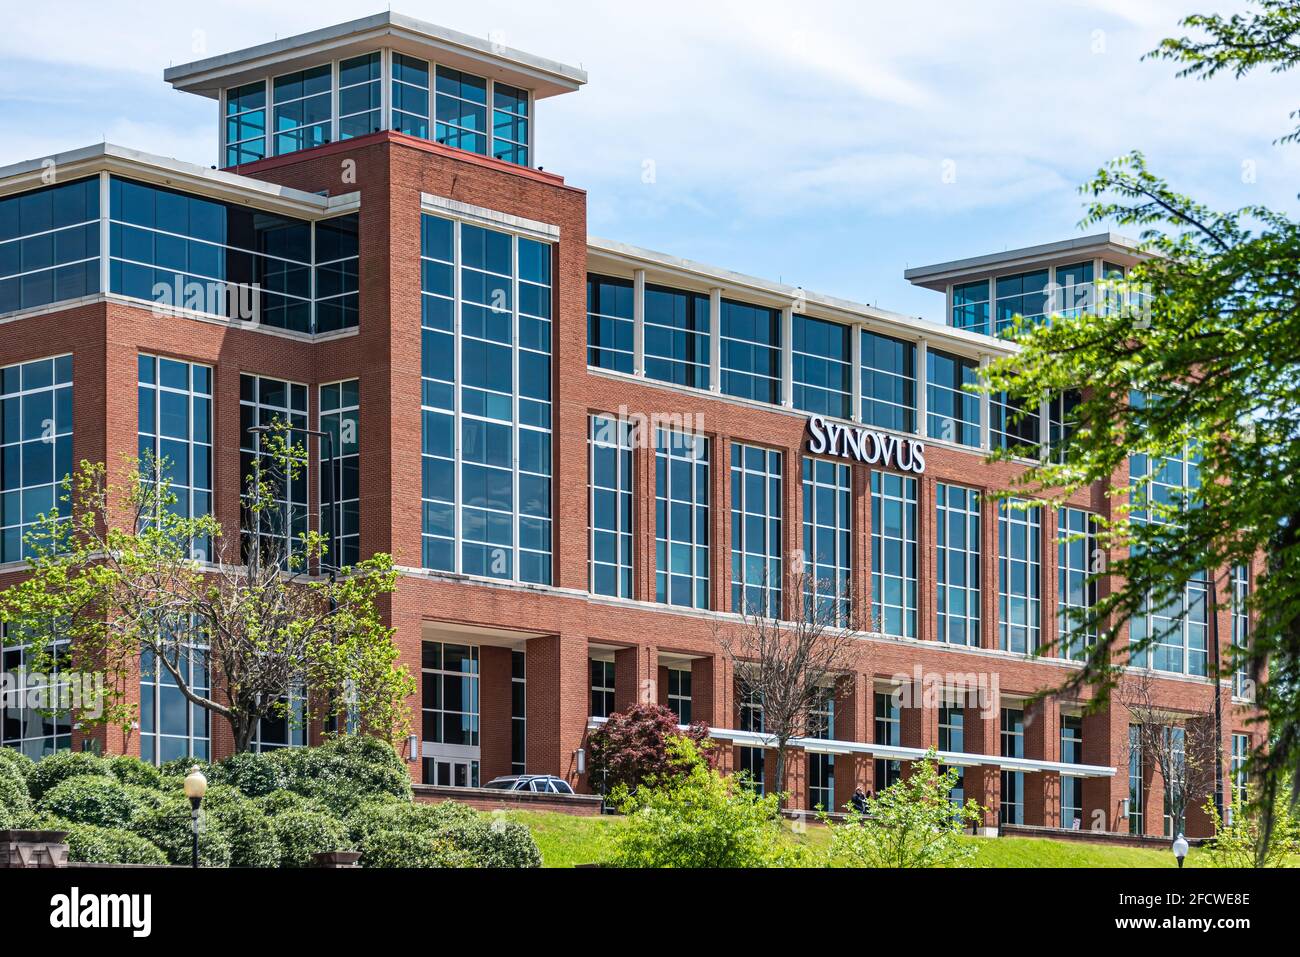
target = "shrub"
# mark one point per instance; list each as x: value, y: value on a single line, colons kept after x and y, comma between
x: 278, y: 802
x: 396, y: 848
x: 14, y: 798
x: 252, y: 839
x: 440, y: 829
x: 58, y: 767
x: 145, y: 798
x: 91, y: 799
x: 344, y: 771
x: 180, y: 767
x: 131, y: 770
x: 168, y: 827
x: 255, y: 775
x: 1240, y: 841
x: 18, y: 761
x: 632, y: 746
x: 696, y: 817
x: 106, y: 845
x: 911, y: 823
x: 304, y: 833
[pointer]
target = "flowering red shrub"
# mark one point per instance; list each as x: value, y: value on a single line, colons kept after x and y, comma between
x: 632, y: 746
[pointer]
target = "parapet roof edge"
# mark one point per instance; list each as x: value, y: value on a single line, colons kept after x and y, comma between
x: 199, y: 76
x: 161, y: 170
x: 902, y: 324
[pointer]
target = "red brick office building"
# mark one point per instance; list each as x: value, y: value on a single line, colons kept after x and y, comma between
x: 426, y: 289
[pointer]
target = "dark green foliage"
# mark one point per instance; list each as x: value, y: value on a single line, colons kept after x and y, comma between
x: 393, y: 848
x: 255, y: 775
x: 58, y: 767
x: 278, y: 802
x: 180, y: 767
x: 304, y: 833
x: 482, y: 843
x: 104, y: 845
x: 343, y: 772
x: 131, y: 770
x: 91, y: 799
x: 252, y: 839
x: 18, y: 761
x: 13, y: 790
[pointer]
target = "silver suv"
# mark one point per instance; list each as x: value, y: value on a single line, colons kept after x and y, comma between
x: 537, y: 783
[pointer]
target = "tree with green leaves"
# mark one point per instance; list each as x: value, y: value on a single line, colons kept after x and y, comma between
x: 1240, y: 841
x: 1195, y: 358
x: 911, y: 823
x: 122, y: 580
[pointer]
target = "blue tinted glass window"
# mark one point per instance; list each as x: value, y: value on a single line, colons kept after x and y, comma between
x: 1075, y: 593
x: 1013, y: 425
x: 359, y: 96
x: 340, y: 418
x: 301, y: 111
x: 677, y: 337
x: 823, y: 367
x: 35, y: 451
x: 277, y: 531
x: 828, y: 539
x: 461, y: 110
x: 681, y: 519
x: 893, y: 553
x: 510, y: 123
x: 196, y: 254
x: 970, y: 306
x: 174, y: 433
x: 487, y: 443
x: 888, y: 382
x: 49, y: 245
x: 1024, y: 294
x: 609, y: 323
x: 952, y: 411
x: 751, y: 352
x: 756, y: 545
x: 957, y: 564
x: 1019, y: 577
x: 410, y: 96
x: 610, y: 451
x: 246, y: 123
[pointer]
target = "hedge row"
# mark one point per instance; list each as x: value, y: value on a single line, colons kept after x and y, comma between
x: 262, y: 810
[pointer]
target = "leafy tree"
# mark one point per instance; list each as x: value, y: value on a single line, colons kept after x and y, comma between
x: 911, y: 823
x: 632, y: 746
x: 1196, y: 356
x: 1244, y: 841
x: 695, y: 816
x: 127, y: 579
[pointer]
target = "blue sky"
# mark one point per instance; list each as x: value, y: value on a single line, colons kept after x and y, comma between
x: 828, y: 146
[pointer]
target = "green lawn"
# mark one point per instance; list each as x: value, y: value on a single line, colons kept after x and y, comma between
x: 566, y: 840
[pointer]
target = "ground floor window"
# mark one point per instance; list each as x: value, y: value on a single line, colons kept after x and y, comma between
x: 518, y: 712
x: 1135, y: 794
x: 679, y: 694
x: 821, y: 781
x: 1240, y: 755
x: 602, y: 688
x: 752, y: 761
x: 450, y: 706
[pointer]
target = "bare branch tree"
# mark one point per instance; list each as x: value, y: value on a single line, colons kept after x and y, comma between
x: 1180, y: 746
x: 792, y: 667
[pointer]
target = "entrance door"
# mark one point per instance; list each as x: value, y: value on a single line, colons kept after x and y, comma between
x: 451, y: 772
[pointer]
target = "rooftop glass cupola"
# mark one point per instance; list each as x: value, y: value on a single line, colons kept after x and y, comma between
x: 384, y: 72
x: 987, y: 293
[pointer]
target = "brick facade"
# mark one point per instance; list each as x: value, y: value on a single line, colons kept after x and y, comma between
x: 556, y: 626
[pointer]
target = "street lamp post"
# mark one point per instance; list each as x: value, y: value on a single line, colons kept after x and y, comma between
x: 196, y: 785
x: 1180, y: 849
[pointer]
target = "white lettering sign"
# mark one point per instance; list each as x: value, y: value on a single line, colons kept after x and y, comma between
x: 865, y: 445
